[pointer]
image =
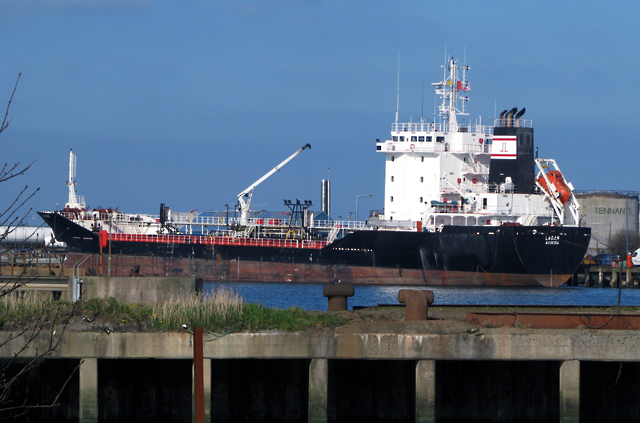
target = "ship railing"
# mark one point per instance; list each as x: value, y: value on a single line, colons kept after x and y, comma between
x: 220, y: 240
x: 436, y: 147
x: 339, y: 224
x: 414, y: 127
x: 474, y: 169
x: 490, y: 211
x: 514, y: 123
x: 114, y: 216
x: 392, y: 225
x: 196, y: 220
x: 470, y: 187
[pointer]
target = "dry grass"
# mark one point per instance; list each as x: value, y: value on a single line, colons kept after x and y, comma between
x: 219, y: 310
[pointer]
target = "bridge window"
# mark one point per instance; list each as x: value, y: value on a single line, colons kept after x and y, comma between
x: 421, y: 138
x: 395, y: 138
x: 429, y: 138
x: 439, y: 139
x: 414, y: 138
x: 401, y: 138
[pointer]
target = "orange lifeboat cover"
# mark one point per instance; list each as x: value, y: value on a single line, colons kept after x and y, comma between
x: 556, y: 178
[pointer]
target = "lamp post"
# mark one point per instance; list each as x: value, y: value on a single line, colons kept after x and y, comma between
x: 357, y: 199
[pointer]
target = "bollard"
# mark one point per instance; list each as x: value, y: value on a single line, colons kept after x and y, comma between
x: 417, y: 303
x: 337, y: 294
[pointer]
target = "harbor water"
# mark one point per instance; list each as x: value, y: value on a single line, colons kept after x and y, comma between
x: 310, y: 297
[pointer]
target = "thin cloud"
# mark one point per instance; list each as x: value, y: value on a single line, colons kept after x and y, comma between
x: 75, y: 6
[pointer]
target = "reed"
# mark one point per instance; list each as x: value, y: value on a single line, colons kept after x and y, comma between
x: 223, y: 310
x: 24, y: 307
x: 220, y: 310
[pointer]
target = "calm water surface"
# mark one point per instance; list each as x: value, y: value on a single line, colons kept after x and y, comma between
x: 309, y: 296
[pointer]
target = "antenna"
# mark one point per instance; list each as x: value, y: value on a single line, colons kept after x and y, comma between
x: 422, y: 103
x: 398, y: 93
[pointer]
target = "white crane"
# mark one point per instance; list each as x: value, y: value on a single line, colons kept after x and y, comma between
x: 243, y: 205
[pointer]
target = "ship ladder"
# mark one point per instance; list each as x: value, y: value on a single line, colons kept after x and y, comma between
x: 249, y: 230
x: 333, y: 234
x: 530, y: 220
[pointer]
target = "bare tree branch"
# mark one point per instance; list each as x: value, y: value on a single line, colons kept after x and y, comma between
x: 30, y: 353
x: 6, y: 121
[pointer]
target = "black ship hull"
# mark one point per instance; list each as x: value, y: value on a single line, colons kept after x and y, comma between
x: 457, y: 255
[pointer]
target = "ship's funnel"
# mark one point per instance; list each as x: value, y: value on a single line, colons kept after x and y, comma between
x: 519, y: 115
x: 509, y: 117
x: 501, y: 121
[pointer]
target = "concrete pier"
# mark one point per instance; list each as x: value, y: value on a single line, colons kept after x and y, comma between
x: 426, y: 391
x: 570, y: 391
x: 419, y: 371
x: 318, y: 390
x: 88, y: 401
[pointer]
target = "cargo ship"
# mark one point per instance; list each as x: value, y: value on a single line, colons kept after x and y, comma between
x: 465, y: 204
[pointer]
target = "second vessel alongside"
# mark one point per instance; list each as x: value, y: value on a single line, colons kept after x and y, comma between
x: 464, y: 205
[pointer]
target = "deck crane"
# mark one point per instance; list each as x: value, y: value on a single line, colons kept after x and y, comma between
x: 243, y: 205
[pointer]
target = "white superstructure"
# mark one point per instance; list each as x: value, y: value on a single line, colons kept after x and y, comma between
x: 439, y: 173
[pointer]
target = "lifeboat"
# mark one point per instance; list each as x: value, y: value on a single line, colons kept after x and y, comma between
x: 562, y: 191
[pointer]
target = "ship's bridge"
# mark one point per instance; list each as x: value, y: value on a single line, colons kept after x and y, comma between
x: 436, y: 137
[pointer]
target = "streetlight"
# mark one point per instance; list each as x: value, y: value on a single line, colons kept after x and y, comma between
x: 357, y: 199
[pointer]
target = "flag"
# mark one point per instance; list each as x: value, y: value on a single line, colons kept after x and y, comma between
x: 468, y: 87
x: 459, y: 86
x: 449, y: 83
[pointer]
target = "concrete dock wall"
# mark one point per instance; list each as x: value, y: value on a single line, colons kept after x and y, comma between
x: 139, y: 290
x: 354, y: 373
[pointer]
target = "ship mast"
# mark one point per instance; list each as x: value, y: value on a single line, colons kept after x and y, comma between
x: 75, y: 201
x: 454, y: 82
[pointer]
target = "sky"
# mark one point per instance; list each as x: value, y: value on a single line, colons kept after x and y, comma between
x: 189, y: 102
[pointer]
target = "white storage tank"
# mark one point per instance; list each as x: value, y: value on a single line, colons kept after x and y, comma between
x: 29, y: 236
x: 607, y: 213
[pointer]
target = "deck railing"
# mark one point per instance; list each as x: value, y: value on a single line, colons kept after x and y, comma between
x: 219, y: 240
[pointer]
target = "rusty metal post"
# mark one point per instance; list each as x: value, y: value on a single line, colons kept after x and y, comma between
x: 337, y: 294
x: 417, y: 302
x: 198, y: 374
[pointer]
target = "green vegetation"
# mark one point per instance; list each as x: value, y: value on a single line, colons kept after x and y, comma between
x: 222, y: 311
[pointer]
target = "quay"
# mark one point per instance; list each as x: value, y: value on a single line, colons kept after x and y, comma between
x: 607, y: 277
x: 440, y: 370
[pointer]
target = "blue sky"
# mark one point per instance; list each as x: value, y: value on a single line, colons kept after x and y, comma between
x: 189, y: 102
